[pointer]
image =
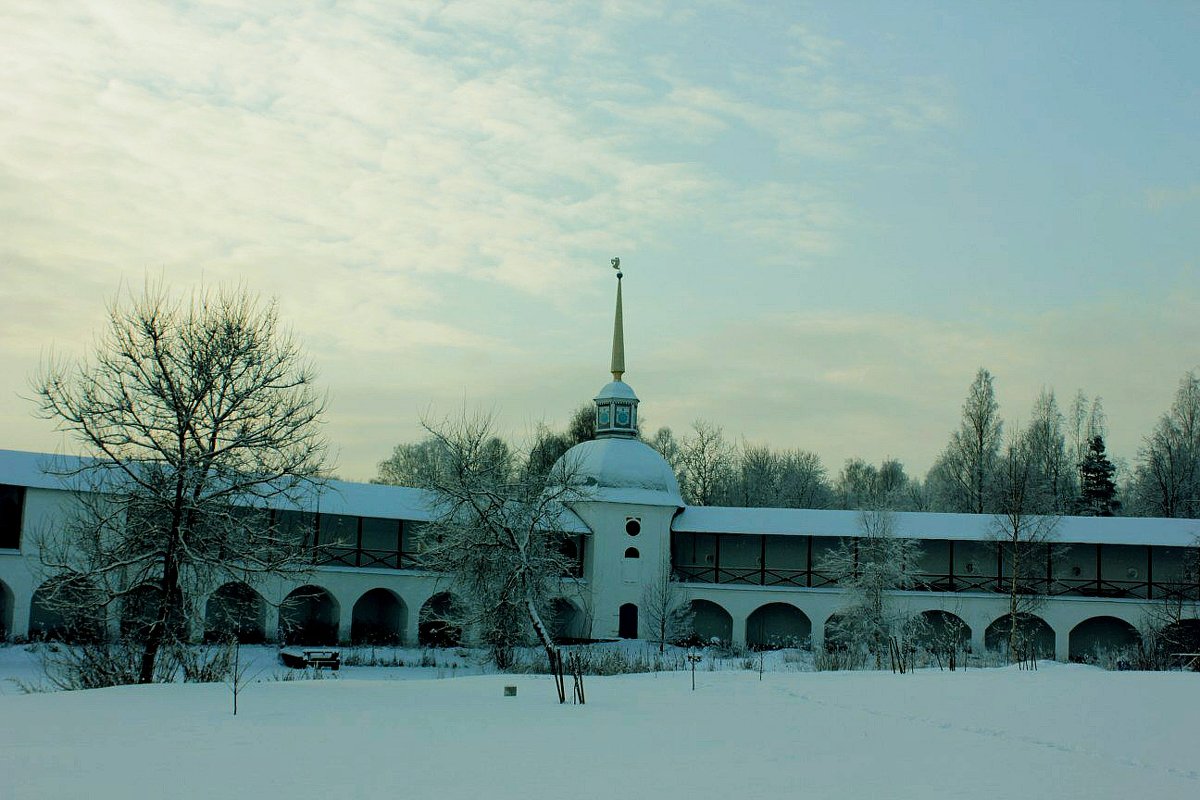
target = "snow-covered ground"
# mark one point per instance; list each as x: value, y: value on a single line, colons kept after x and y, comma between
x: 1062, y: 732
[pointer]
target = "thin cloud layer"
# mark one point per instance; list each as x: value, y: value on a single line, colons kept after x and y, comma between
x: 432, y: 191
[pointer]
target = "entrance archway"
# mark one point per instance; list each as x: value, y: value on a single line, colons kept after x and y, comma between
x: 378, y: 618
x: 66, y: 610
x: 777, y: 625
x: 711, y: 624
x: 1096, y: 636
x: 309, y: 615
x: 1035, y: 638
x: 436, y: 626
x: 235, y: 611
x: 942, y: 632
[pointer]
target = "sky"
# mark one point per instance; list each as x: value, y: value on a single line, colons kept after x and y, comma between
x: 829, y: 215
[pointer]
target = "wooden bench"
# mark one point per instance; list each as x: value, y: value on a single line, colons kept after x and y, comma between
x: 315, y: 657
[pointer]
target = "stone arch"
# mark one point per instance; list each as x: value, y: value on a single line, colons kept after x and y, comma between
x: 6, y: 611
x: 436, y: 626
x: 235, y: 611
x: 710, y: 623
x: 777, y: 625
x: 309, y: 615
x: 378, y: 617
x: 942, y: 631
x: 1098, y: 635
x: 565, y: 621
x: 66, y: 609
x: 139, y: 610
x: 1036, y: 635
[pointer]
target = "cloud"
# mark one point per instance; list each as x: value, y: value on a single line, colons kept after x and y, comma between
x: 389, y: 170
x: 880, y: 385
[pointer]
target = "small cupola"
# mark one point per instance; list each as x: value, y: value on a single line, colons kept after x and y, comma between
x: 616, y: 404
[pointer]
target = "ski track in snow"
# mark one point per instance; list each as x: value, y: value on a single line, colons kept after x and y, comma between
x: 996, y: 733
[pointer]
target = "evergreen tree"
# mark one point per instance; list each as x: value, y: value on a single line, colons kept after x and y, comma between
x: 1097, y: 489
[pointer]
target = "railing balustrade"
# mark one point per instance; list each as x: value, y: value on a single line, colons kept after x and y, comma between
x: 934, y: 582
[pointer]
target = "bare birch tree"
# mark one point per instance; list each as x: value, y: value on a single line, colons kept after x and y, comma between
x: 192, y: 418
x: 707, y: 460
x: 869, y: 568
x: 1167, y: 481
x: 668, y: 616
x: 1023, y: 534
x: 498, y: 536
x: 1053, y: 467
x: 968, y: 463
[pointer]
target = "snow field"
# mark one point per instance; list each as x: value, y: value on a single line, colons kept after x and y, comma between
x: 1063, y: 732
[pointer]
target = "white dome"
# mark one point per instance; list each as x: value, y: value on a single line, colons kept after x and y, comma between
x: 617, y: 389
x: 622, y: 471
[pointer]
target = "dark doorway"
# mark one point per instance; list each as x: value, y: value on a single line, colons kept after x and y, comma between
x: 627, y: 622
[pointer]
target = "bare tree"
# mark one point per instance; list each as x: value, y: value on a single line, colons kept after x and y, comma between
x: 1023, y: 534
x: 498, y: 537
x: 862, y: 485
x: 409, y: 464
x: 1054, y: 468
x: 965, y: 470
x: 668, y: 447
x: 802, y: 480
x: 762, y: 478
x: 855, y: 484
x: 758, y: 476
x: 1167, y: 480
x: 869, y: 568
x: 1165, y: 628
x: 707, y: 459
x: 193, y: 417
x: 1085, y: 421
x: 668, y: 616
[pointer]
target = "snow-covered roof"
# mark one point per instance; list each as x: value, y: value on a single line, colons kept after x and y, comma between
x: 37, y: 470
x: 19, y: 468
x: 926, y: 525
x: 629, y: 471
x: 621, y: 470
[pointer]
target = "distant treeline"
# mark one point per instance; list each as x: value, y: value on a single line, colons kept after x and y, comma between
x: 1063, y: 453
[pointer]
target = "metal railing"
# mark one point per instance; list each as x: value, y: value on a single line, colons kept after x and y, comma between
x: 935, y: 582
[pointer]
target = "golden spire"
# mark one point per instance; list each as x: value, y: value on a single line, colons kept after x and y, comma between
x: 618, y: 351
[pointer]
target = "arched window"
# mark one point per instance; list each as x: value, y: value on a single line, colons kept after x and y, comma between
x: 632, y: 552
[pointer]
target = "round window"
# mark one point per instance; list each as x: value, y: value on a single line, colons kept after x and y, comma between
x: 633, y: 527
